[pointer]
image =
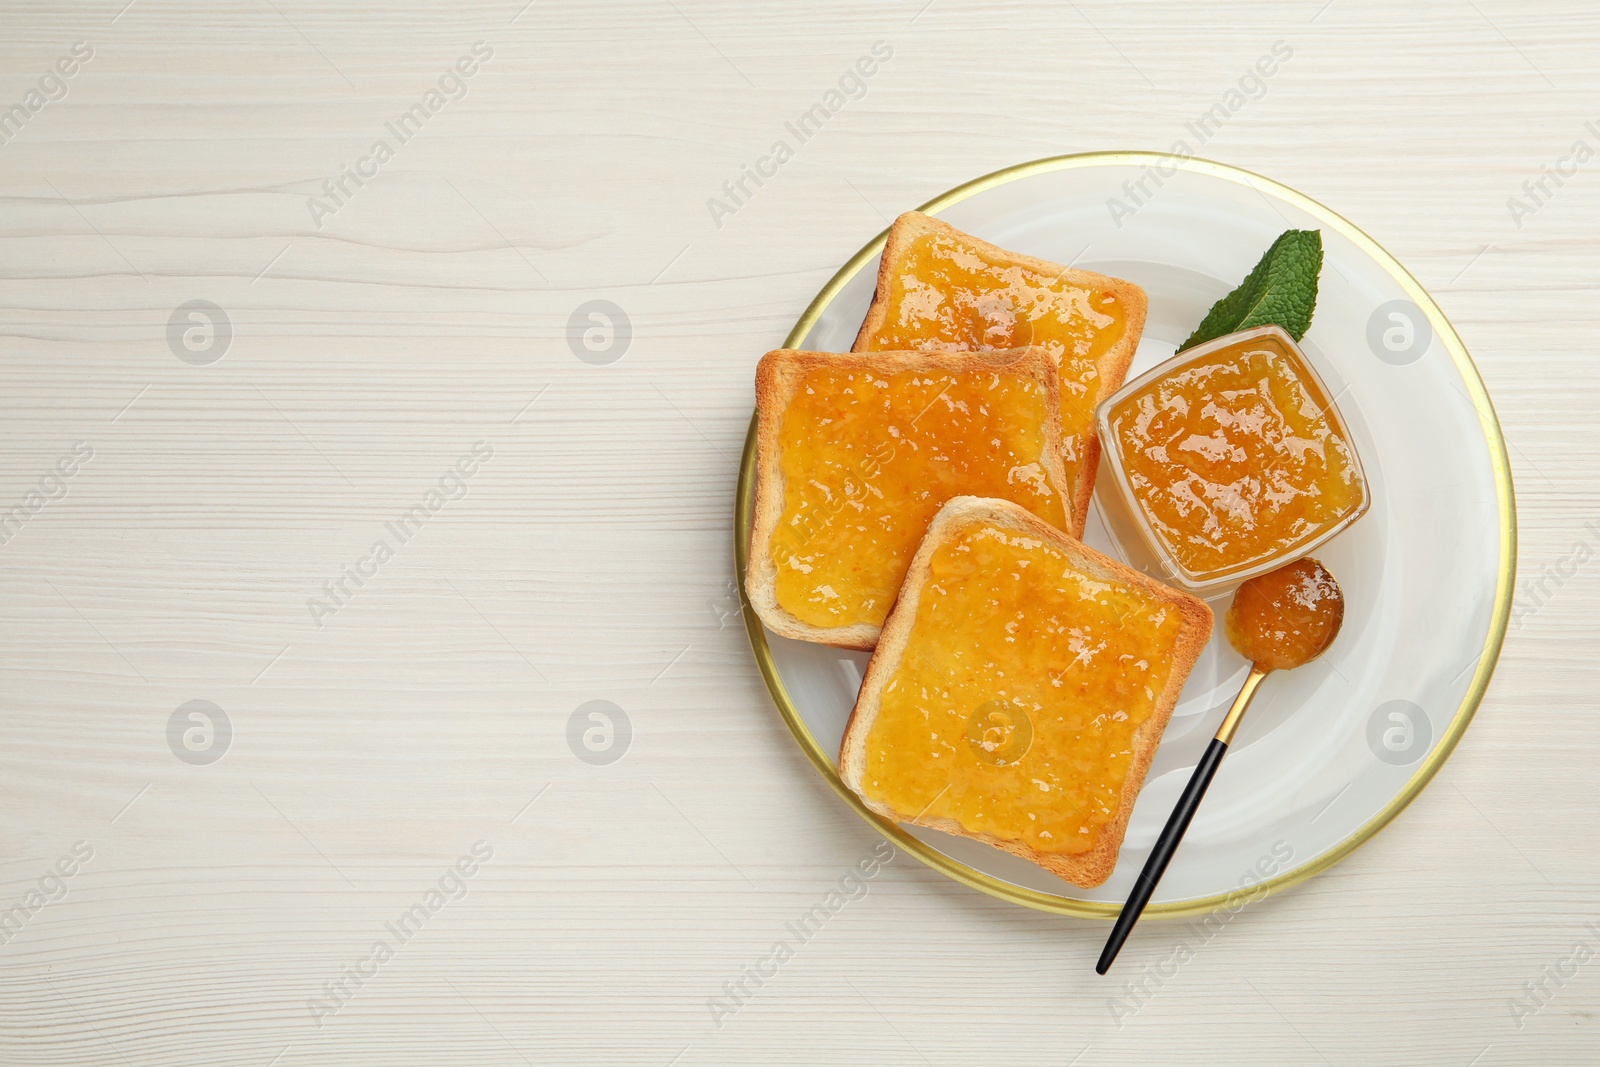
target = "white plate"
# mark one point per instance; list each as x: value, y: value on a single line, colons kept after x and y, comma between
x: 1331, y: 752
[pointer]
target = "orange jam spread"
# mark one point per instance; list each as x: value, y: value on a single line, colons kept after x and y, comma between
x: 1014, y: 706
x: 1236, y: 457
x: 868, y: 459
x: 944, y: 294
x: 1285, y: 618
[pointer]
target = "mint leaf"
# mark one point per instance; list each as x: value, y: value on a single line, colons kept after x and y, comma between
x: 1281, y: 290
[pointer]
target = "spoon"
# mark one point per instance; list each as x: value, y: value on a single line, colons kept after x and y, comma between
x: 1278, y: 621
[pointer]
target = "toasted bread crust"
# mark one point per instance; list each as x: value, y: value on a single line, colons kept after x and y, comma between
x: 1089, y: 868
x: 1113, y: 366
x: 778, y: 376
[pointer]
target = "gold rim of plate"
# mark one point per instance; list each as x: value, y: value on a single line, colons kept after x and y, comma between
x: 1051, y: 902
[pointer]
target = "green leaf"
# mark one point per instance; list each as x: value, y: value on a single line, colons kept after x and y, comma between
x: 1281, y: 290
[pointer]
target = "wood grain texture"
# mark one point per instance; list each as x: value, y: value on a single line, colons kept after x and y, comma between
x: 590, y: 557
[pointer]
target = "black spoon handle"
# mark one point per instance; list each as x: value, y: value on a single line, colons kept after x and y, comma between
x: 1161, y: 855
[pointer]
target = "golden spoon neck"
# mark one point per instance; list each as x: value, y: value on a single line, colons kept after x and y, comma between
x: 1235, y: 715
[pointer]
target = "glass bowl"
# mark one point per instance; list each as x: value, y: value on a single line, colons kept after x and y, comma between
x: 1289, y: 366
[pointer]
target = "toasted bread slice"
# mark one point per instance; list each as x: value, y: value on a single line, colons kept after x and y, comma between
x: 1019, y: 690
x: 856, y: 453
x: 941, y: 288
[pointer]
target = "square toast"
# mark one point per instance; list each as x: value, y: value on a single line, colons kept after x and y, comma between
x: 941, y: 288
x: 855, y: 453
x: 1019, y: 690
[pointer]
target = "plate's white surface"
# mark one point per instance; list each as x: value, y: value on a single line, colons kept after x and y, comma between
x: 1326, y: 748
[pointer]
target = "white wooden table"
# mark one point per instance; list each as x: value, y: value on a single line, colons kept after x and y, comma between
x: 385, y: 722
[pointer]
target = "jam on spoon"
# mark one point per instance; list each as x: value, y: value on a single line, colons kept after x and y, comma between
x: 1278, y: 621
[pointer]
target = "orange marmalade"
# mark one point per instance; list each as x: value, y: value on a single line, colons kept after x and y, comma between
x: 945, y: 294
x: 1014, y: 706
x: 867, y: 460
x: 1236, y: 457
x: 1287, y: 617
